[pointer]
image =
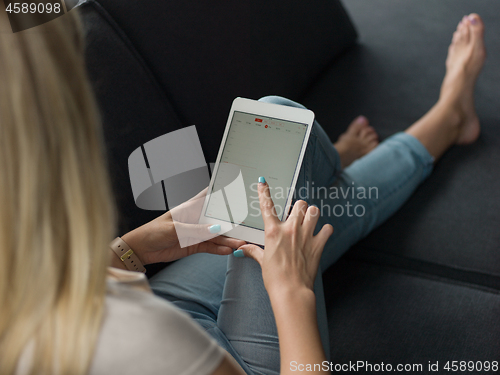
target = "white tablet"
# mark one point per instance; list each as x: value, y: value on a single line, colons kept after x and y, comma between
x: 260, y: 139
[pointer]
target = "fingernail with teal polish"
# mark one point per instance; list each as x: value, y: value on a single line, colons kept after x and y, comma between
x: 214, y: 228
x: 262, y: 180
x: 238, y: 253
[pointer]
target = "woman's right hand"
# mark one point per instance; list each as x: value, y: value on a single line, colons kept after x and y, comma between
x: 292, y: 253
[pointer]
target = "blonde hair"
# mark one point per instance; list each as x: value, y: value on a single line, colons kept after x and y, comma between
x: 56, y: 213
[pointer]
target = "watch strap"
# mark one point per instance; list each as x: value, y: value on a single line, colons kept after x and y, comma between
x: 126, y: 254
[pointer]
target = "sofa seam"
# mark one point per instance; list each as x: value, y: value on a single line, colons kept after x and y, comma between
x: 424, y: 274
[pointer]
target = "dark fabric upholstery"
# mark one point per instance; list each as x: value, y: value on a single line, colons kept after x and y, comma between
x: 134, y: 109
x: 165, y: 65
x: 393, y: 77
x: 384, y: 314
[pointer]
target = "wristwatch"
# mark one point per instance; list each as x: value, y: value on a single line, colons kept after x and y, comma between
x: 126, y: 255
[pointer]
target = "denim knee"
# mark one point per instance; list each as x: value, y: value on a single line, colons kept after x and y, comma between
x: 274, y: 99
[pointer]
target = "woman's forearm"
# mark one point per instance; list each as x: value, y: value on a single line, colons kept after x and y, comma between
x: 290, y: 264
x: 300, y: 341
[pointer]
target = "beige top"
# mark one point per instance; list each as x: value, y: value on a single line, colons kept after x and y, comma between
x: 143, y: 334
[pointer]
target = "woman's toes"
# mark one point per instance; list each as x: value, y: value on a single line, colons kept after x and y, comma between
x: 476, y: 26
x: 368, y: 132
x: 357, y: 124
x: 461, y: 34
x: 357, y: 141
x: 475, y: 20
x: 373, y: 136
x: 465, y: 32
x: 462, y: 24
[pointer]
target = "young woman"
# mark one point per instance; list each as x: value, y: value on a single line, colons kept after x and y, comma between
x: 59, y: 314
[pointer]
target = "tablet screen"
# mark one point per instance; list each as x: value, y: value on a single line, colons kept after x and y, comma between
x: 256, y: 146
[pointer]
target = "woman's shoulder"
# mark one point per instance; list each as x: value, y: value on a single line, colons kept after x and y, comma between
x: 142, y: 333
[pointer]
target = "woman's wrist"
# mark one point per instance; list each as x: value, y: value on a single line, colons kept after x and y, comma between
x: 124, y: 256
x: 149, y: 238
x: 285, y: 297
x: 134, y: 239
x: 296, y: 321
x: 115, y: 260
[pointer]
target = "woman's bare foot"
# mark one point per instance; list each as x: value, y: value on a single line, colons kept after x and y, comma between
x: 358, y: 140
x: 466, y: 56
x: 453, y: 120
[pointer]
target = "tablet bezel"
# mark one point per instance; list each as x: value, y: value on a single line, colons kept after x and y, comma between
x: 287, y: 113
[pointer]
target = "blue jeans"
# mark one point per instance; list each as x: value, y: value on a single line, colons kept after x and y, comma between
x: 226, y: 295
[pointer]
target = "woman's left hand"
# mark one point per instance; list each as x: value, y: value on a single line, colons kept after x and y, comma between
x: 160, y: 240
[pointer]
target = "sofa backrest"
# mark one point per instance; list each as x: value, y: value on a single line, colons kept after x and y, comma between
x: 160, y: 66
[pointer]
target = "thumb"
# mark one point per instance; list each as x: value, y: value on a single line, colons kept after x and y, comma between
x: 186, y: 233
x: 251, y: 251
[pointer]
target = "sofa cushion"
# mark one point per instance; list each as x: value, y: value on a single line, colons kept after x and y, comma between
x: 382, y: 314
x: 393, y: 77
x: 204, y: 54
x: 134, y: 109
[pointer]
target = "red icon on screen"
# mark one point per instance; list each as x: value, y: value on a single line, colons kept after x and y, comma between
x: 258, y: 120
x: 266, y: 126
